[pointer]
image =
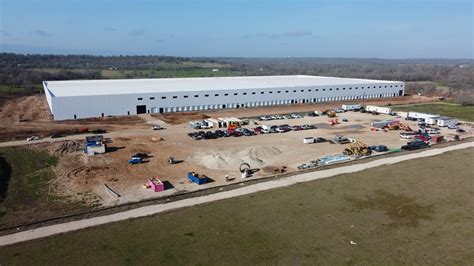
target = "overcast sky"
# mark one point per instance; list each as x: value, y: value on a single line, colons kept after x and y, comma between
x: 251, y: 28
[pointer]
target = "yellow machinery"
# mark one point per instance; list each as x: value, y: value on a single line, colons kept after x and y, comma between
x: 358, y: 148
x: 393, y: 127
x: 331, y: 113
x: 405, y: 127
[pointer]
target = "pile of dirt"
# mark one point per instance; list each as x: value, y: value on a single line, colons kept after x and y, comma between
x: 256, y: 157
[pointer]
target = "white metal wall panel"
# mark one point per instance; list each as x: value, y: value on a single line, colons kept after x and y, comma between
x: 71, y: 107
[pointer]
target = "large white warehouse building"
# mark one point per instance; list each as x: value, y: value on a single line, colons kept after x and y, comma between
x: 95, y: 98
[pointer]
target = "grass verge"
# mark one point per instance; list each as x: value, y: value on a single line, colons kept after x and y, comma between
x: 25, y: 177
x: 414, y: 212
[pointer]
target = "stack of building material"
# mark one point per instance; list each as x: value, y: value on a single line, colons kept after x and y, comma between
x: 330, y: 159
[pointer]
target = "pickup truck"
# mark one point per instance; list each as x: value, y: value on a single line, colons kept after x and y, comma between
x: 415, y: 145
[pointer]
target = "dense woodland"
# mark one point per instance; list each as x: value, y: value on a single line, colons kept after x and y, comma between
x: 449, y: 77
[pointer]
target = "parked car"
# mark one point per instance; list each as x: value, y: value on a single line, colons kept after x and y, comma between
x: 99, y: 131
x: 56, y: 135
x: 453, y: 127
x: 237, y: 134
x: 460, y: 130
x: 141, y: 155
x: 248, y: 133
x: 319, y: 140
x: 379, y: 148
x: 345, y: 120
x: 157, y: 127
x: 197, y: 137
x: 32, y: 138
x: 296, y: 116
x: 283, y: 129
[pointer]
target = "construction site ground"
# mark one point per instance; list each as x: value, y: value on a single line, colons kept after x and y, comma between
x: 84, y: 177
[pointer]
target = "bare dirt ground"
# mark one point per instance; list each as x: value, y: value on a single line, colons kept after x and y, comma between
x: 21, y: 117
x: 84, y: 178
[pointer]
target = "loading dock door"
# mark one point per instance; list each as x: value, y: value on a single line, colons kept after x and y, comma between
x: 141, y: 109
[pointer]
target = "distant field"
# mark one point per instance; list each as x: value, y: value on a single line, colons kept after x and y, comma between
x: 415, y: 212
x: 447, y: 109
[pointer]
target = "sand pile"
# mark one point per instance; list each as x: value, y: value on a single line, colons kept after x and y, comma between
x: 256, y: 157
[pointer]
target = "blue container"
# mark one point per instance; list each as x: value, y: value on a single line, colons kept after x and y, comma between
x: 198, y: 179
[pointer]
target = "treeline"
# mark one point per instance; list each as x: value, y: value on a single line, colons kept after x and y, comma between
x: 9, y: 60
x: 30, y: 70
x: 31, y: 78
x: 456, y: 75
x: 24, y: 73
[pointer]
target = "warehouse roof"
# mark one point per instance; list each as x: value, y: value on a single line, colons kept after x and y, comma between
x: 135, y: 86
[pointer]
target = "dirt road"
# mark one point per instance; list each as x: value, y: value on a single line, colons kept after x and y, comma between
x: 155, y: 209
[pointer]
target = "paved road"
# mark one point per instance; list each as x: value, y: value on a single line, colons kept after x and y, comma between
x: 159, y: 208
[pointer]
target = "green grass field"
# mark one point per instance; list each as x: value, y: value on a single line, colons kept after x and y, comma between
x: 448, y: 109
x: 25, y: 178
x: 415, y: 212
